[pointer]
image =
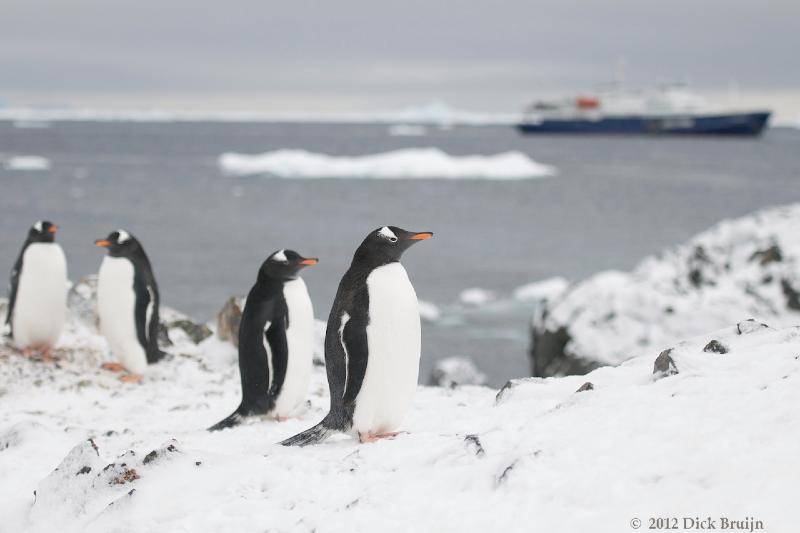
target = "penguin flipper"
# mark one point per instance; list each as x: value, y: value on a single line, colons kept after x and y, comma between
x: 313, y: 435
x: 12, y: 293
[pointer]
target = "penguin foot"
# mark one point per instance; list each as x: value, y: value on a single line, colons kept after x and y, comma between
x: 131, y: 378
x: 113, y: 367
x: 367, y: 437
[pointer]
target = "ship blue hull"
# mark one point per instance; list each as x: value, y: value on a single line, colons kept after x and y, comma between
x: 747, y: 124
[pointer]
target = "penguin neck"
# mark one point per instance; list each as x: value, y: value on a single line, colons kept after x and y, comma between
x: 369, y: 262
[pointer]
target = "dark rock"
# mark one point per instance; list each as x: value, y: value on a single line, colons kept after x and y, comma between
x: 550, y: 357
x: 510, y: 384
x: 714, y: 346
x: 664, y: 365
x: 84, y: 470
x: 586, y: 386
x: 128, y: 476
x: 698, y: 261
x: 228, y: 320
x: 150, y: 457
x: 504, y: 474
x: 474, y: 444
x: 791, y: 294
x: 770, y: 255
x: 196, y: 332
x: 749, y: 326
x: 163, y: 336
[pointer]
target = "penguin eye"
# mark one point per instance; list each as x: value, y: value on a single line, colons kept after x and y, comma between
x: 388, y: 234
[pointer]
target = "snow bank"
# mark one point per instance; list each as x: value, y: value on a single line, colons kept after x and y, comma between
x: 749, y: 267
x: 536, y: 456
x: 410, y: 163
x: 27, y: 162
x: 437, y: 113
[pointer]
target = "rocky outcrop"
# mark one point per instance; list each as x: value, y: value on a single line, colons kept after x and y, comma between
x: 748, y: 267
x: 228, y: 319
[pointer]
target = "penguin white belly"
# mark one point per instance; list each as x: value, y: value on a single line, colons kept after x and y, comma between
x: 300, y: 344
x: 40, y: 308
x: 116, y: 301
x: 393, y: 342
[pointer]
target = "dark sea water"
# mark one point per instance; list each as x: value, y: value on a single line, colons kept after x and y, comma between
x: 614, y: 201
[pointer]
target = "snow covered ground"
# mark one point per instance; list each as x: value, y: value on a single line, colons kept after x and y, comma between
x: 408, y: 163
x: 716, y: 439
x: 747, y: 267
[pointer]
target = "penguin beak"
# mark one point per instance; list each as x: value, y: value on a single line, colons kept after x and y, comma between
x: 310, y: 261
x: 53, y: 228
x: 103, y: 243
x: 422, y: 236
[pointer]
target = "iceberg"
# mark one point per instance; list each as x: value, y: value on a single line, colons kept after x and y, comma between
x: 423, y: 163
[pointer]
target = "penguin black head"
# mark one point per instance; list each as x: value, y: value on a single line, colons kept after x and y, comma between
x: 387, y: 244
x: 42, y: 231
x: 284, y: 264
x: 119, y: 243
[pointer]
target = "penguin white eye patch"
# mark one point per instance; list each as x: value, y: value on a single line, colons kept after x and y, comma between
x: 280, y: 255
x: 123, y: 236
x: 386, y: 233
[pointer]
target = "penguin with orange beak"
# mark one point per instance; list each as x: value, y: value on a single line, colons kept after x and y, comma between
x: 37, y: 300
x: 128, y: 305
x: 276, y: 341
x: 372, y: 343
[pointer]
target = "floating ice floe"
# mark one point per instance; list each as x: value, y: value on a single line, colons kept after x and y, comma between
x: 429, y: 311
x: 27, y: 162
x: 408, y: 163
x: 546, y: 290
x: 476, y: 297
x: 407, y: 130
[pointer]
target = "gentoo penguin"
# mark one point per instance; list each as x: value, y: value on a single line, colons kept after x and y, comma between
x: 127, y: 305
x: 37, y: 301
x: 372, y: 343
x: 276, y: 341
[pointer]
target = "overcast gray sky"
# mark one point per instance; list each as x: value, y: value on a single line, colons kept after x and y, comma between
x: 338, y: 55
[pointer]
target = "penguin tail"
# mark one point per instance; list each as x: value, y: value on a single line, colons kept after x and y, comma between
x: 313, y: 435
x: 234, y: 419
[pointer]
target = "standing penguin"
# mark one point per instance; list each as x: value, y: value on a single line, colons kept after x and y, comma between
x: 127, y: 305
x: 37, y: 301
x: 372, y: 343
x: 276, y: 341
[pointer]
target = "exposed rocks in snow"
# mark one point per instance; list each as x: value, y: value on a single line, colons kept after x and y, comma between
x: 749, y: 326
x: 714, y: 346
x: 748, y: 267
x: 474, y: 444
x: 454, y: 371
x: 586, y: 386
x: 228, y: 320
x: 196, y: 332
x: 664, y: 364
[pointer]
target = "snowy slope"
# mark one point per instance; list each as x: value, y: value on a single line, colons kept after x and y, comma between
x: 748, y: 267
x: 718, y: 439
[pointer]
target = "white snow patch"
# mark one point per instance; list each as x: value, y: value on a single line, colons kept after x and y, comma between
x: 476, y: 296
x: 27, y: 162
x: 456, y: 371
x: 408, y: 163
x: 541, y: 291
